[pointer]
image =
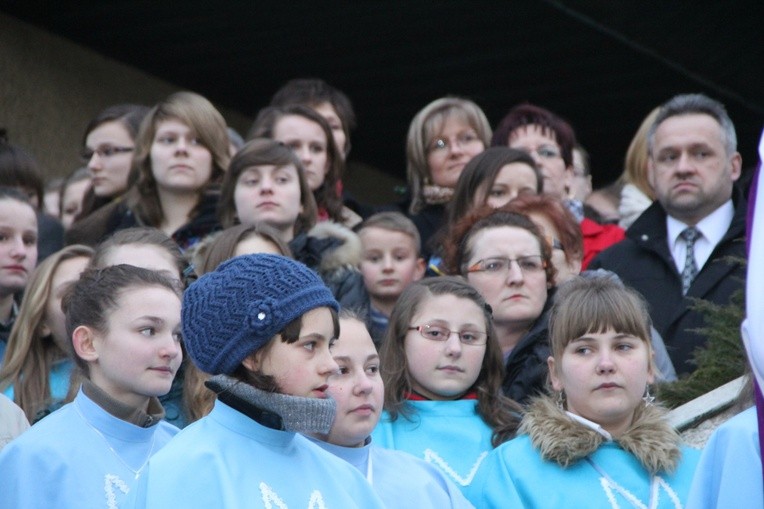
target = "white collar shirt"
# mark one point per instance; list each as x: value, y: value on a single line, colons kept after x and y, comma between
x: 712, y: 229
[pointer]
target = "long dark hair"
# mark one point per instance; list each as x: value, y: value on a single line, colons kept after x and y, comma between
x: 498, y: 411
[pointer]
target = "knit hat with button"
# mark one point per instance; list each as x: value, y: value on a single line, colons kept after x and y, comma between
x: 234, y: 311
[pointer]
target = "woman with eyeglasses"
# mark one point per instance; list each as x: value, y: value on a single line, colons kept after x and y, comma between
x: 108, y: 147
x: 442, y: 370
x: 443, y: 137
x: 505, y: 256
x: 564, y: 236
x: 550, y: 140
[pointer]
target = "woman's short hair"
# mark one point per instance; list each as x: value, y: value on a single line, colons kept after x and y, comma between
x: 524, y: 115
x: 481, y: 172
x: 459, y: 247
x: 265, y: 152
x: 425, y: 126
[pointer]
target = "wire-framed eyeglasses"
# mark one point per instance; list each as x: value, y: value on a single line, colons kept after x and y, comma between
x: 531, y: 264
x: 441, y: 334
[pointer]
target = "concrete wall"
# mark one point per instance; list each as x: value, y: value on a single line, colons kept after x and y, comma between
x: 50, y: 88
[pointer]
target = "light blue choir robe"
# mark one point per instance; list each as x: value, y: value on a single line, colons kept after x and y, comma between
x: 401, y: 480
x: 61, y: 462
x: 515, y: 475
x: 448, y: 434
x: 228, y: 460
x: 729, y: 472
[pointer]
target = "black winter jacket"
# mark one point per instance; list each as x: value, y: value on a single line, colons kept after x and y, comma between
x: 643, y: 261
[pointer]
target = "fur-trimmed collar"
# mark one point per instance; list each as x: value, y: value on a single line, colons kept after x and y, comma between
x: 346, y: 253
x: 565, y: 441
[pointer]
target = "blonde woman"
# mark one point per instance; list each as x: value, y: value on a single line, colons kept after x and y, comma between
x: 36, y: 368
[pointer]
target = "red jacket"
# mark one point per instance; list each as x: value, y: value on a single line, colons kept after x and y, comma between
x: 598, y: 237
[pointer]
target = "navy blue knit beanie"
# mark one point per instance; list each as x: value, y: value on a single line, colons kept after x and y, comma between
x: 235, y: 310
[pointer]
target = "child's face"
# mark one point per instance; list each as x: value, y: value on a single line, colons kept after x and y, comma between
x: 269, y: 194
x: 357, y: 388
x: 55, y: 321
x: 389, y: 262
x: 18, y: 245
x: 138, y: 355
x: 301, y: 368
x: 604, y: 376
x: 443, y: 370
x: 145, y: 256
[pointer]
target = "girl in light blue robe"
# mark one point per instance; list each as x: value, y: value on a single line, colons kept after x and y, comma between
x: 601, y: 443
x: 401, y: 480
x: 262, y: 325
x: 442, y: 368
x: 124, y: 322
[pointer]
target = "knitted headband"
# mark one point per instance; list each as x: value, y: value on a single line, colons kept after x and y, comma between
x: 234, y: 311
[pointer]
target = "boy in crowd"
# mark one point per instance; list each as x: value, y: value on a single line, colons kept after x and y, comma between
x: 390, y: 261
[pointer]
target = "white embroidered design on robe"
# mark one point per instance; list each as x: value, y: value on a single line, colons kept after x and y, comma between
x: 111, y: 481
x: 431, y: 456
x: 655, y: 486
x: 270, y: 497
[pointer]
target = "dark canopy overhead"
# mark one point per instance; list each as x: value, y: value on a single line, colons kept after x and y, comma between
x: 601, y: 64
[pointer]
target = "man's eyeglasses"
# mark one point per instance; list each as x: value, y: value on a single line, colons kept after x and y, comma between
x: 438, y: 333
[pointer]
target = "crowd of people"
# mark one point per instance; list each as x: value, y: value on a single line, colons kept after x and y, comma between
x: 199, y: 320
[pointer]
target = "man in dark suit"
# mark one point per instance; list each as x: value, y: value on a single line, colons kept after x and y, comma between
x: 690, y: 241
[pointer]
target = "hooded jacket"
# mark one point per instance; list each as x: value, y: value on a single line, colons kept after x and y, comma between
x: 334, y: 251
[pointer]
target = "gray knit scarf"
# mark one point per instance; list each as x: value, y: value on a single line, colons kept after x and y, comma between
x: 275, y: 410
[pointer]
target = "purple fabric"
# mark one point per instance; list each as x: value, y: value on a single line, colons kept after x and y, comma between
x: 749, y: 231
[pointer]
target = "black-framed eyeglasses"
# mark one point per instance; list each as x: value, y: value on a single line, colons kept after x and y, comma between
x: 441, y: 334
x: 530, y: 264
x: 104, y: 152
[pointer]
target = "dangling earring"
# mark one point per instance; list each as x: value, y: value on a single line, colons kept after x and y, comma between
x: 561, y: 400
x: 648, y: 398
